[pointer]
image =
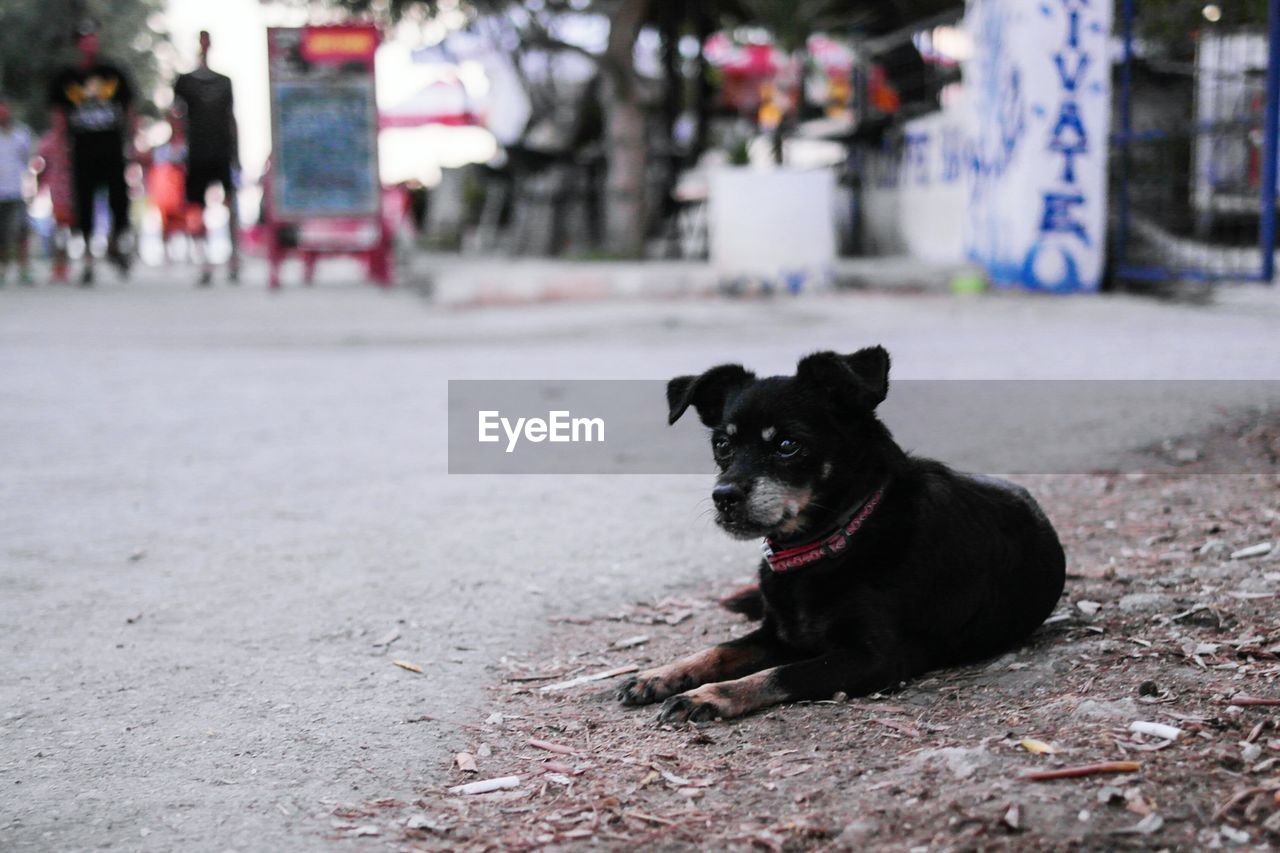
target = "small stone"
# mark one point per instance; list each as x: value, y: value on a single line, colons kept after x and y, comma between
x: 1149, y: 824
x: 854, y: 835
x: 1252, y: 551
x: 1214, y: 548
x: 1110, y: 795
x: 1250, y: 752
x: 422, y: 821
x: 1088, y: 608
x: 1142, y: 601
x: 1238, y: 836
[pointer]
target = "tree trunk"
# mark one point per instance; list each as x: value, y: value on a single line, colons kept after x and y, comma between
x: 704, y: 27
x: 625, y: 135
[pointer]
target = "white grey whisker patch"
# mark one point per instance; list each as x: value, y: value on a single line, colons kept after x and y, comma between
x: 731, y: 429
x: 768, y: 433
x: 776, y: 505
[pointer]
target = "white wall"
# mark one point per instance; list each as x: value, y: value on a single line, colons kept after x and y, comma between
x: 915, y: 194
x: 1013, y: 175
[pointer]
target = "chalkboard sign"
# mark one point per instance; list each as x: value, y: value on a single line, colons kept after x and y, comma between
x: 324, y: 122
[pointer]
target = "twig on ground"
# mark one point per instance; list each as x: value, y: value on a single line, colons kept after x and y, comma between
x: 1082, y: 770
x: 1236, y: 799
x: 551, y: 747
x: 648, y: 818
x: 586, y: 679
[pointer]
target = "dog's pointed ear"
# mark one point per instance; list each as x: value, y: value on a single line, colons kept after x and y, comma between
x: 864, y: 374
x: 871, y: 365
x: 706, y: 393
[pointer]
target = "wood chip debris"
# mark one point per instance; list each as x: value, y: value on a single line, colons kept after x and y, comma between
x: 898, y: 726
x: 466, y: 762
x: 648, y: 818
x: 587, y: 679
x: 1236, y: 799
x: 1258, y: 550
x: 1159, y: 730
x: 1243, y: 700
x: 630, y: 642
x: 484, y: 786
x: 404, y: 664
x: 387, y: 639
x: 1037, y: 747
x: 559, y: 749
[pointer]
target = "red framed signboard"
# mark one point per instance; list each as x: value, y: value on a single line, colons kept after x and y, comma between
x: 323, y: 195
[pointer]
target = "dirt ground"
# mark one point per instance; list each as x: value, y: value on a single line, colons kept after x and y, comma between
x: 1164, y: 620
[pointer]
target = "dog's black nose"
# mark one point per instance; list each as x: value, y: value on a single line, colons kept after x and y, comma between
x: 727, y: 497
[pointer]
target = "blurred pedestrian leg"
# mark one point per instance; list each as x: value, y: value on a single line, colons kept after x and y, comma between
x: 15, y: 160
x: 55, y: 177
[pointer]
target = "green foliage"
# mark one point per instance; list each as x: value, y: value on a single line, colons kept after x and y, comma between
x: 791, y: 22
x: 1172, y: 24
x: 36, y: 39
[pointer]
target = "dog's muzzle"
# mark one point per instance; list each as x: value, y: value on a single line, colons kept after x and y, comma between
x: 746, y: 512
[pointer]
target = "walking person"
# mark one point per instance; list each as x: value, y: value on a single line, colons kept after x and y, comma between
x: 15, y: 160
x: 93, y: 103
x: 166, y: 175
x: 54, y: 158
x: 212, y: 154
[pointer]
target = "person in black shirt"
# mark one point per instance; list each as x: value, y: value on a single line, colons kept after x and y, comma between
x: 212, y: 157
x: 93, y: 108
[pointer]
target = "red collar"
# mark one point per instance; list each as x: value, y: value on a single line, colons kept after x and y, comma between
x: 827, y: 546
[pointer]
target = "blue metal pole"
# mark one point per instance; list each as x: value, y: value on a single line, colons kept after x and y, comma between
x: 1124, y: 138
x: 1270, y: 129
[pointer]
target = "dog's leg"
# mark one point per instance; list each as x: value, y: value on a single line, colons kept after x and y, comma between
x: 817, y: 678
x: 753, y: 652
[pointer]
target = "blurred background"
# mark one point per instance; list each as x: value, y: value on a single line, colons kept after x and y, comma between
x: 1055, y: 146
x: 222, y: 487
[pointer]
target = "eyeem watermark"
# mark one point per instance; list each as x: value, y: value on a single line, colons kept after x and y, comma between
x: 1006, y: 427
x: 558, y: 427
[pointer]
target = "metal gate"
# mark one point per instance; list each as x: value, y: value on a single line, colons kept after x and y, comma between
x: 1193, y: 155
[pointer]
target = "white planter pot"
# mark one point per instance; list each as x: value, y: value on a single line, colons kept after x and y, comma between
x: 774, y: 228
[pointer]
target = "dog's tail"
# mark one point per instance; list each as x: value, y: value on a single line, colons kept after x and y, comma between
x: 745, y: 600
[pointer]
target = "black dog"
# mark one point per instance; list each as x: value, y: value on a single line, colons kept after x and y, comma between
x: 878, y: 565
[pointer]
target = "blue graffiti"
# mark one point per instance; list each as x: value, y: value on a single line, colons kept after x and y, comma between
x: 1070, y: 279
x: 916, y: 154
x: 1070, y: 77
x: 1057, y: 215
x: 1069, y: 138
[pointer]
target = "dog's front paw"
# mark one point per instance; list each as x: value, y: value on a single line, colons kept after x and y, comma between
x: 650, y: 686
x: 696, y: 706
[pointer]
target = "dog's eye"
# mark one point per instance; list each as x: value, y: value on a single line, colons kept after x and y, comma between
x: 788, y: 448
x: 721, y: 447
